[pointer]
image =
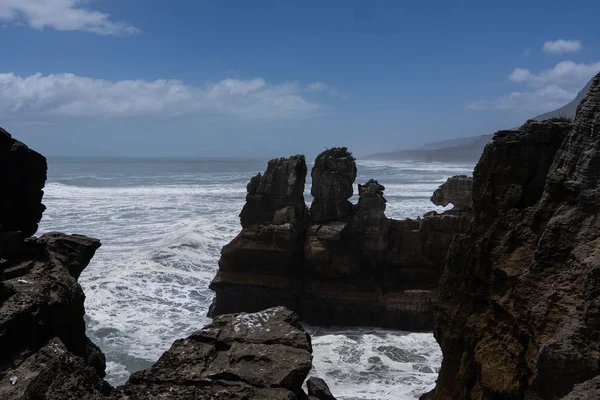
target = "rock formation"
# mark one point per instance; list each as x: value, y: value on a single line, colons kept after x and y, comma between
x: 520, y: 298
x: 44, y: 351
x: 457, y: 191
x: 342, y: 264
x: 269, y: 247
x: 264, y: 355
x: 332, y: 176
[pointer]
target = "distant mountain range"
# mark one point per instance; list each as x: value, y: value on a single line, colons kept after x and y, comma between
x: 469, y: 149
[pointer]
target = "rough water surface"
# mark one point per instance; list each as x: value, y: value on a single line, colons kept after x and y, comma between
x: 162, y: 223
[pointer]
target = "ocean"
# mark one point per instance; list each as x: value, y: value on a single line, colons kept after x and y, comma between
x: 162, y: 223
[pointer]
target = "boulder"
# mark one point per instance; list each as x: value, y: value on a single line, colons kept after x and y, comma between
x: 263, y: 355
x: 318, y: 389
x: 518, y: 315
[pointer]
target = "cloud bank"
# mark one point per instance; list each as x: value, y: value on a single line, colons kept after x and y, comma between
x: 549, y: 89
x: 69, y: 95
x: 561, y: 46
x: 62, y: 15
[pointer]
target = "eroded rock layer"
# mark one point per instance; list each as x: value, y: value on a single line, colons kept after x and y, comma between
x: 343, y: 264
x: 519, y: 314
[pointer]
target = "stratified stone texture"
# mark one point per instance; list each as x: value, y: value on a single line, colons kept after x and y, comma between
x: 262, y: 266
x: 346, y: 264
x: 520, y: 298
x: 263, y: 355
x: 332, y: 176
x: 457, y: 190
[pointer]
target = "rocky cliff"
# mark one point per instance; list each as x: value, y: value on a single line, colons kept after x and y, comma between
x: 339, y: 263
x: 45, y: 353
x: 520, y: 298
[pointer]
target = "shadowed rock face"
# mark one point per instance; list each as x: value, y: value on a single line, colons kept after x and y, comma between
x: 344, y: 264
x: 22, y: 178
x: 332, y: 176
x: 457, y: 190
x: 262, y: 266
x: 520, y: 297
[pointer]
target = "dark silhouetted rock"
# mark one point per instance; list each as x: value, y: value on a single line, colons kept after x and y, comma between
x: 333, y: 174
x: 457, y: 190
x: 22, y: 178
x: 520, y: 298
x: 318, y: 389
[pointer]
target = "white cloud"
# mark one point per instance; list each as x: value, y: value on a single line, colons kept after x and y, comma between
x: 69, y: 95
x: 538, y: 100
x: 561, y: 46
x: 565, y: 73
x: 62, y: 15
x: 547, y: 90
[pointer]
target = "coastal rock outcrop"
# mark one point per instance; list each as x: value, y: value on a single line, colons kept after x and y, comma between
x: 22, y: 179
x: 520, y: 298
x: 262, y: 266
x: 357, y: 266
x: 42, y: 332
x: 332, y: 176
x: 263, y: 355
x: 45, y: 353
x: 457, y: 191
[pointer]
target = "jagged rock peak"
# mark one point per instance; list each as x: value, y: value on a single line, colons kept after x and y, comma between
x: 333, y: 175
x: 457, y: 190
x: 282, y: 185
x: 22, y: 178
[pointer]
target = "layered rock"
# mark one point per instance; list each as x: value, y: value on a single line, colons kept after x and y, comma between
x: 262, y: 266
x: 457, y: 191
x: 44, y: 352
x: 264, y: 355
x: 332, y: 176
x: 357, y: 267
x: 520, y: 298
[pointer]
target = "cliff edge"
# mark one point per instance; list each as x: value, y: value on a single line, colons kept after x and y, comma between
x: 519, y: 314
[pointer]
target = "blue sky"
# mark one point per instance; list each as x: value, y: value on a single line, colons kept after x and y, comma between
x: 272, y: 78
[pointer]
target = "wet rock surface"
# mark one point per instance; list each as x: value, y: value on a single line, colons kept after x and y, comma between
x: 345, y: 264
x: 519, y: 301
